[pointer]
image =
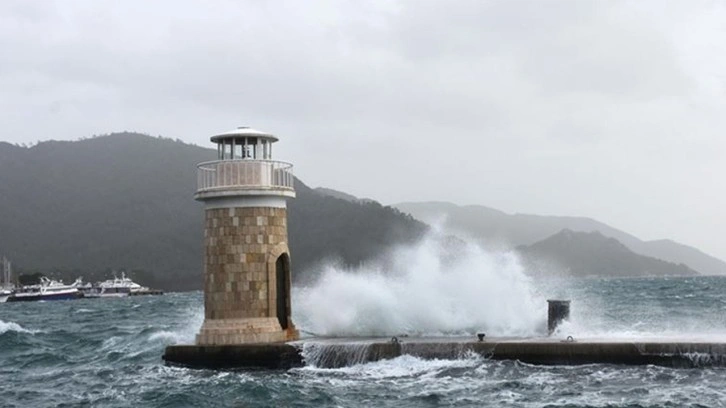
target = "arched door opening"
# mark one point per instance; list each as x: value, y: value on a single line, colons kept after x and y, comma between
x: 282, y: 267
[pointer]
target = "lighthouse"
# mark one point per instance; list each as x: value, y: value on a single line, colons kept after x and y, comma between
x: 246, y: 253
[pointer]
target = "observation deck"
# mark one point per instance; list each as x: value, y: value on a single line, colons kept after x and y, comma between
x: 226, y: 178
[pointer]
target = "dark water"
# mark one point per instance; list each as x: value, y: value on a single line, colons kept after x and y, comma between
x: 97, y: 352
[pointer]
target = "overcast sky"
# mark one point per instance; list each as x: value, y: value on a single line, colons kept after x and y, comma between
x: 607, y: 109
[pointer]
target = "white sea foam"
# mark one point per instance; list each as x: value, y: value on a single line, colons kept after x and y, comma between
x: 110, y: 343
x: 402, y: 366
x: 166, y: 337
x: 587, y: 329
x: 12, y: 326
x: 423, y: 289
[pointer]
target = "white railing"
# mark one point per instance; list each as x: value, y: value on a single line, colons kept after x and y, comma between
x: 244, y: 174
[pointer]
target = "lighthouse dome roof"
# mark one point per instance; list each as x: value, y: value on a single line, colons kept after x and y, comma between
x: 243, y: 131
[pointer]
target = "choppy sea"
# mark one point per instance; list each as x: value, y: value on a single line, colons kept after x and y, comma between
x: 107, y: 353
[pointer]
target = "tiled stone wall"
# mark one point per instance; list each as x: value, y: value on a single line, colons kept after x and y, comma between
x: 242, y: 246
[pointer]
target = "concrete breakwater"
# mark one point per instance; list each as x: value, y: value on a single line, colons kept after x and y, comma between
x: 340, y: 352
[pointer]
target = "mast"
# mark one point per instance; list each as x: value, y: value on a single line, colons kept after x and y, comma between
x: 7, y: 272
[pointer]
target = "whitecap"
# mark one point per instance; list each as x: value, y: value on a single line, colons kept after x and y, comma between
x: 12, y: 326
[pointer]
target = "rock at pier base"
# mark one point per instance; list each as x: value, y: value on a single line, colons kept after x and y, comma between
x: 268, y: 355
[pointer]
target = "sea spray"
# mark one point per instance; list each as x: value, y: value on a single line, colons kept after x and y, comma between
x: 180, y: 334
x: 423, y: 289
x: 332, y: 355
x: 186, y: 334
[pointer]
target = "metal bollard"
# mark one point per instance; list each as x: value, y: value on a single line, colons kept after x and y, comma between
x: 557, y: 311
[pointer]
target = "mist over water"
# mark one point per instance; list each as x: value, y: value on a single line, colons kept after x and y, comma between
x: 425, y: 290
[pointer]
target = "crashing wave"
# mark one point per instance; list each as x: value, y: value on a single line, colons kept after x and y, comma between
x: 14, y: 327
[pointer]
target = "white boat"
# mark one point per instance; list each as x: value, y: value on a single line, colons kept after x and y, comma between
x: 5, y: 294
x: 48, y: 289
x: 119, y: 287
x: 87, y: 288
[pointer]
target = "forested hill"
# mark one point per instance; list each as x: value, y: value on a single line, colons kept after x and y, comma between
x: 124, y: 201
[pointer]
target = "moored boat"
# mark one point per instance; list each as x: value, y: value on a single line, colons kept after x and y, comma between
x: 121, y: 287
x: 5, y: 294
x: 48, y: 289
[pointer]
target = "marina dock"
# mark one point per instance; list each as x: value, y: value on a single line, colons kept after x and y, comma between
x: 340, y: 352
x: 148, y: 292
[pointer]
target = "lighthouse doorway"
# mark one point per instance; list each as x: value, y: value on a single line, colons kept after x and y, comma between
x: 282, y: 267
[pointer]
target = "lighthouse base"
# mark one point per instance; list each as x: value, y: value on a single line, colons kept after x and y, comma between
x: 244, y: 331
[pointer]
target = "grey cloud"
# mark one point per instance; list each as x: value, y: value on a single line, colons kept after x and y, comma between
x: 602, y: 109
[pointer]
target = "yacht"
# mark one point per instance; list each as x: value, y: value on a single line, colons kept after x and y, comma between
x: 119, y: 287
x: 88, y: 289
x: 48, y: 289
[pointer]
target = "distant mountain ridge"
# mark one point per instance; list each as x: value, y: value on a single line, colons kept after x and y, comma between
x: 341, y: 195
x: 496, y: 228
x: 125, y: 201
x: 586, y: 254
x: 336, y: 194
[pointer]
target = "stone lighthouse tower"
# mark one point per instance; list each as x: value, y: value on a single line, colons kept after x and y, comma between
x: 247, y: 259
